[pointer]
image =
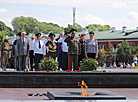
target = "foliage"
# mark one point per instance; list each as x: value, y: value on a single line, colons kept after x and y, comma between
x: 6, y: 30
x: 75, y: 25
x: 133, y: 67
x: 88, y: 64
x: 91, y: 27
x: 111, y: 54
x: 48, y: 63
x: 124, y: 52
x: 102, y: 56
x: 2, y: 36
x: 32, y: 25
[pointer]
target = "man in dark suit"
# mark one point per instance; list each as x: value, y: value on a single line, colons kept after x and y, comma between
x: 22, y: 51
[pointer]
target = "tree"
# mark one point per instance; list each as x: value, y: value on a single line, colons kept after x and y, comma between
x: 111, y: 54
x: 91, y: 27
x: 102, y: 56
x: 75, y: 25
x: 2, y: 36
x: 124, y: 52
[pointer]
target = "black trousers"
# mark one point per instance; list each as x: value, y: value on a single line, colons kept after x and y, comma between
x: 91, y: 55
x: 31, y: 54
x: 38, y: 57
x: 65, y: 60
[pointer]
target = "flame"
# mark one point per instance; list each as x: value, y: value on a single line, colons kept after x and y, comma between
x: 83, y: 84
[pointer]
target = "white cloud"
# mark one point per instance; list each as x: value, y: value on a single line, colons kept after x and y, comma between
x: 50, y: 2
x: 8, y: 20
x: 118, y: 5
x: 3, y: 10
x: 90, y: 19
x: 133, y: 15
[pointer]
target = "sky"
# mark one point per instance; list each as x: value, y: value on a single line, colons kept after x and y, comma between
x: 116, y: 13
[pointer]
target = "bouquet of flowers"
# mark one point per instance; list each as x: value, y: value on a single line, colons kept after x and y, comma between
x: 89, y: 64
x: 48, y: 64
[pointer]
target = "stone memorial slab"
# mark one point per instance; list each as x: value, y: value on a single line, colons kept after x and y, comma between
x: 91, y: 95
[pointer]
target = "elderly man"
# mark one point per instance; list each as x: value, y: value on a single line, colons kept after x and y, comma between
x: 22, y: 50
x: 31, y: 52
x: 60, y: 51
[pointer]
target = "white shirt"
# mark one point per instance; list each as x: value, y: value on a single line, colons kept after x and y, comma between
x: 13, y: 40
x: 64, y: 44
x: 37, y: 49
x: 47, y: 48
x: 31, y: 45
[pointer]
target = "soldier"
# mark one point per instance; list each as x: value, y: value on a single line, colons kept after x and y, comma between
x: 74, y: 49
x: 39, y: 50
x: 52, y: 46
x: 82, y: 42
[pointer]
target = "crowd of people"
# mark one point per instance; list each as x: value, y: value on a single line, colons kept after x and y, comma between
x: 68, y: 50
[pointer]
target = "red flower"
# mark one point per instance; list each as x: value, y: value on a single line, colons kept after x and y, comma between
x: 47, y: 70
x: 104, y: 70
x: 83, y: 58
x: 91, y: 58
x: 78, y: 71
x: 87, y: 58
x: 69, y: 70
x: 47, y: 58
x: 66, y: 70
x: 38, y: 69
x: 79, y: 63
x: 78, y: 66
x: 74, y: 70
x: 40, y: 61
x: 43, y: 58
x: 24, y: 70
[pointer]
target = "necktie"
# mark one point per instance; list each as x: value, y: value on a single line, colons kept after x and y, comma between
x: 39, y: 45
x: 23, y: 41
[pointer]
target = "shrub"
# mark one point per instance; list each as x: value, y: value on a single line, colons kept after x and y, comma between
x: 48, y: 63
x: 88, y: 64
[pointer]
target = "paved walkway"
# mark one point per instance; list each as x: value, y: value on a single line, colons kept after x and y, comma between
x: 21, y: 93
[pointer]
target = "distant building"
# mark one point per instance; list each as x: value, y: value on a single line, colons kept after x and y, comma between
x: 114, y: 37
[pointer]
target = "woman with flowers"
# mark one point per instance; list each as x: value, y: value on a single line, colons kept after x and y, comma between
x: 91, y: 47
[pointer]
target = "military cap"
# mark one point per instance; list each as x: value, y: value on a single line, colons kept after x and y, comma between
x: 83, y: 34
x: 19, y: 34
x: 52, y: 35
x: 73, y: 30
x: 66, y: 33
x: 38, y: 34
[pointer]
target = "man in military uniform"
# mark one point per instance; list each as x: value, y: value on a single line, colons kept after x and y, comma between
x: 52, y: 46
x: 82, y: 42
x: 74, y: 49
x: 39, y: 50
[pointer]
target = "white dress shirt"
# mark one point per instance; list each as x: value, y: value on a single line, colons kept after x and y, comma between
x: 47, y: 48
x: 64, y: 44
x: 31, y: 45
x: 37, y: 49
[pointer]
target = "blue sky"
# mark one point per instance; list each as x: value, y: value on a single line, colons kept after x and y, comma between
x: 116, y: 13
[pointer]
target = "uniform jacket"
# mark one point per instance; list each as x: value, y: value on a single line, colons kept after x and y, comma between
x: 73, y: 45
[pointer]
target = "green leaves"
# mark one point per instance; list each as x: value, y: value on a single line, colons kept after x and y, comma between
x: 88, y: 64
x: 48, y: 63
